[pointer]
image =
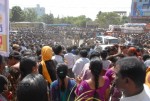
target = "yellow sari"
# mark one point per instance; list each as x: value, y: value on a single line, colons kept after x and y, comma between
x: 147, y: 78
x: 46, y: 55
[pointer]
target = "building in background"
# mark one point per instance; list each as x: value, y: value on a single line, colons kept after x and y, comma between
x: 140, y: 11
x: 39, y: 10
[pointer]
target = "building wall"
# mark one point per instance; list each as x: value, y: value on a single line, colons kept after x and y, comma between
x: 140, y: 8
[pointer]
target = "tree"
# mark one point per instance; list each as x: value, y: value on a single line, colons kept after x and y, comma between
x: 30, y: 15
x: 16, y: 14
x: 108, y: 18
x: 125, y: 19
x: 48, y: 18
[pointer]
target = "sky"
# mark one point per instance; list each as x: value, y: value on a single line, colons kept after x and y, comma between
x: 64, y: 8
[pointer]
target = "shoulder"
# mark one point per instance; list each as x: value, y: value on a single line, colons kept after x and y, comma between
x: 81, y: 87
x: 54, y: 84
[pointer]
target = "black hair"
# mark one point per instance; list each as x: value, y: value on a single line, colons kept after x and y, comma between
x: 32, y: 88
x: 57, y: 49
x: 26, y: 66
x: 62, y: 71
x: 76, y: 52
x: 96, y: 68
x: 69, y: 49
x: 16, y: 55
x: 38, y: 52
x: 104, y: 54
x: 1, y: 59
x: 94, y: 54
x: 74, y: 47
x: 132, y: 68
x: 146, y: 56
x: 3, y: 81
x: 83, y: 53
x: 113, y: 59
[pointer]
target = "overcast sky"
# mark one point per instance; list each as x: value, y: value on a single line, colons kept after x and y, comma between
x: 63, y: 8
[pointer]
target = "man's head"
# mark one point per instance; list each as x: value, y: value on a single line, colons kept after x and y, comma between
x: 83, y: 53
x: 130, y: 75
x: 13, y: 58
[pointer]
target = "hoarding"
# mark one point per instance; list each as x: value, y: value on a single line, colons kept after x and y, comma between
x: 4, y: 27
x: 140, y: 8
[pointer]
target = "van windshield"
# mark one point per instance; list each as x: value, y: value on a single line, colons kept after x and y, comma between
x: 113, y: 41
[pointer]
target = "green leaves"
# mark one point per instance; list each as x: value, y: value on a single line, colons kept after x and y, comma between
x: 110, y: 18
x: 16, y: 14
x: 30, y: 15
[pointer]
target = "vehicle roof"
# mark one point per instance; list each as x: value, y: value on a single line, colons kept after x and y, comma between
x: 108, y: 37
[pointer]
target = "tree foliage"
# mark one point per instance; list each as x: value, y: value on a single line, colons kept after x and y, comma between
x: 16, y: 14
x: 48, y: 18
x: 30, y: 15
x: 104, y: 19
x: 108, y: 18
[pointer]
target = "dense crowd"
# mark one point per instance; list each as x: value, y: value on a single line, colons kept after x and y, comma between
x: 41, y: 67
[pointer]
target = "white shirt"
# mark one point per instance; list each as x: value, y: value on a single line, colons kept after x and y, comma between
x: 106, y: 64
x: 70, y: 59
x: 58, y: 58
x: 78, y: 66
x: 143, y: 96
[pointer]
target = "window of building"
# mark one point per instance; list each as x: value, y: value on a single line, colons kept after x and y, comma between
x: 146, y: 0
x: 140, y: 0
x: 145, y: 7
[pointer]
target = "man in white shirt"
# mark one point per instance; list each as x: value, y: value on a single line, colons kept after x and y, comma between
x: 70, y: 60
x: 130, y: 77
x: 58, y: 54
x: 79, y: 64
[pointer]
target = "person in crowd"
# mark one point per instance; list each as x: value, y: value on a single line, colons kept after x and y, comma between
x: 129, y: 81
x: 27, y: 66
x: 14, y: 60
x: 2, y: 66
x: 96, y: 87
x: 33, y: 87
x: 62, y: 89
x: 47, y: 66
x: 3, y: 88
x: 79, y: 64
x: 14, y: 70
x: 132, y: 51
x: 58, y: 49
x: 70, y: 60
x: 86, y: 73
x: 115, y: 94
x: 146, y: 57
x: 16, y: 47
x: 106, y: 63
x: 76, y: 54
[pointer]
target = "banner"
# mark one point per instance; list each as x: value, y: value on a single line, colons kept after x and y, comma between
x: 4, y: 27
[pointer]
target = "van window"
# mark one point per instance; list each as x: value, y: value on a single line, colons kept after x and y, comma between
x: 113, y: 41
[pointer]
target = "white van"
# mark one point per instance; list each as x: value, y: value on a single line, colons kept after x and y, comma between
x: 106, y: 40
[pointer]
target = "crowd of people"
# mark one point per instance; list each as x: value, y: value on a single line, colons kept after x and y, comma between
x: 40, y: 67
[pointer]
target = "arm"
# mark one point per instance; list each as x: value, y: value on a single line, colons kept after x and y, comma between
x: 107, y: 94
x: 115, y: 55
